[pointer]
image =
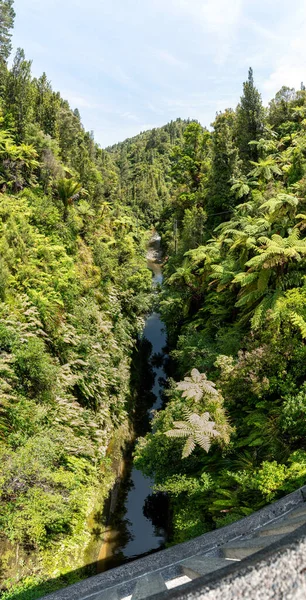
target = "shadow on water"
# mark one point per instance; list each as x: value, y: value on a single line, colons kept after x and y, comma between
x: 136, y: 518
x: 139, y: 524
x: 33, y: 592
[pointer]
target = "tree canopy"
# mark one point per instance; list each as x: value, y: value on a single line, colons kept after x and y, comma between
x: 75, y: 219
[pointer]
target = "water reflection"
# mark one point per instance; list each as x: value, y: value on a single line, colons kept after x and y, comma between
x: 139, y: 528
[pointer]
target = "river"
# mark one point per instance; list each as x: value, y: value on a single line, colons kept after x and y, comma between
x: 137, y: 527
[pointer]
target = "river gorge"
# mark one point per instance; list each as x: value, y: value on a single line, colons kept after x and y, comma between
x: 137, y: 517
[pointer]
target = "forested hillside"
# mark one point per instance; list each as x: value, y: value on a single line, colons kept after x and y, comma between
x: 234, y: 305
x: 230, y: 205
x: 144, y: 168
x: 74, y: 288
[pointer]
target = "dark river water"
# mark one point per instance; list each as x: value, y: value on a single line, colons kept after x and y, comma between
x: 138, y: 527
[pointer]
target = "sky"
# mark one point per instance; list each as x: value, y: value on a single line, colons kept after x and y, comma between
x: 131, y: 65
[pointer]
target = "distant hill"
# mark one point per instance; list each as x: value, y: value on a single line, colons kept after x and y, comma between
x: 143, y: 163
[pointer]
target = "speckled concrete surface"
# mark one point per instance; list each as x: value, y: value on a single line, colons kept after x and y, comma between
x: 282, y: 577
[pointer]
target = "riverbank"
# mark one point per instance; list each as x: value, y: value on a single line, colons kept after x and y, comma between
x: 134, y: 529
x: 95, y: 538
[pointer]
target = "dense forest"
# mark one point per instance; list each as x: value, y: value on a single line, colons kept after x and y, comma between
x: 75, y: 219
x: 232, y: 434
x: 74, y: 289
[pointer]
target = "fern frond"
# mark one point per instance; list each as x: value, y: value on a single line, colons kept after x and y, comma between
x: 199, y: 429
x: 179, y: 433
x: 299, y: 322
x: 196, y: 385
x: 203, y: 441
x: 188, y: 447
x: 249, y: 299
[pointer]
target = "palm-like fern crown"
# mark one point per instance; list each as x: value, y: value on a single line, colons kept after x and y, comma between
x: 276, y: 267
x: 67, y: 189
x: 265, y: 169
x: 196, y: 385
x: 281, y: 203
x: 278, y: 251
x: 198, y: 429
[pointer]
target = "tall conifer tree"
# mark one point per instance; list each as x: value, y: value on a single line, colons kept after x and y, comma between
x: 225, y: 165
x: 7, y: 16
x: 250, y: 118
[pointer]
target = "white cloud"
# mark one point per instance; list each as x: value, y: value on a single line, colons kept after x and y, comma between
x: 154, y: 109
x: 130, y: 64
x: 171, y: 60
x: 82, y: 101
x: 285, y: 54
x: 286, y: 74
x: 263, y: 31
x: 289, y: 65
x: 218, y: 18
x: 129, y: 116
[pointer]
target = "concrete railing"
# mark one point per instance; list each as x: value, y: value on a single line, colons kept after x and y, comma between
x: 210, y: 565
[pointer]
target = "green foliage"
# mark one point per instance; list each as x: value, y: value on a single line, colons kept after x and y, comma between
x: 68, y: 191
x: 34, y: 369
x: 144, y: 165
x: 198, y: 429
x: 269, y: 478
x: 19, y: 93
x: 234, y: 305
x: 177, y: 485
x: 250, y: 119
x: 265, y: 169
x: 225, y: 167
x: 188, y: 524
x: 18, y: 164
x: 74, y: 288
x: 7, y: 16
x: 34, y: 490
x: 293, y: 420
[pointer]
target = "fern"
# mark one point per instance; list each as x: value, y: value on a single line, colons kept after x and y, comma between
x: 197, y: 429
x: 299, y: 323
x: 282, y: 203
x: 196, y: 385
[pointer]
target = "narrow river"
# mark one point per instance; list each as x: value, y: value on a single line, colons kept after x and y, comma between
x: 137, y: 528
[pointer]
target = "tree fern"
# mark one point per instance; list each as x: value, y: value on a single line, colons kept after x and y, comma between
x: 197, y: 429
x: 265, y: 169
x: 302, y: 224
x: 68, y: 190
x: 282, y: 203
x: 196, y: 385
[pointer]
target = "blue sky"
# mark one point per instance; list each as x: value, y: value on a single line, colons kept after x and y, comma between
x: 130, y: 65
